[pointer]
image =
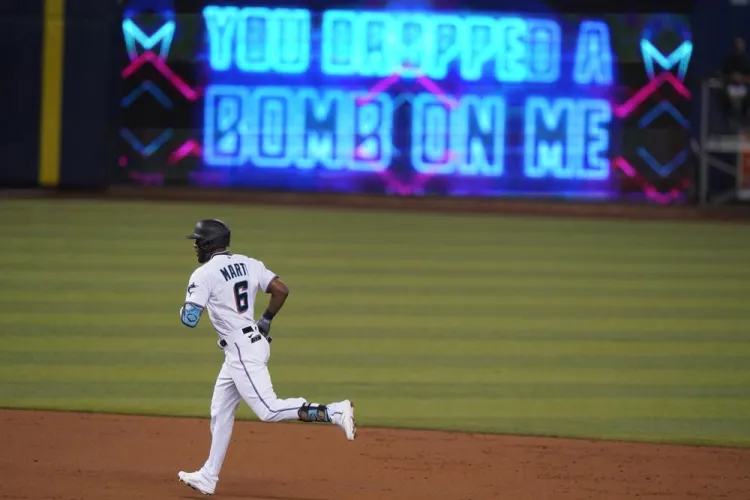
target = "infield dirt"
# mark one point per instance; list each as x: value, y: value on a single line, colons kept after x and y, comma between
x: 66, y: 456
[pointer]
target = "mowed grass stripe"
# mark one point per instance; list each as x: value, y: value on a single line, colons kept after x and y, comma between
x: 436, y: 255
x: 306, y: 220
x: 117, y: 367
x: 550, y: 363
x: 373, y: 301
x: 521, y: 332
x: 497, y: 267
x: 172, y: 284
x: 456, y: 346
x: 405, y: 318
x: 509, y: 391
x: 553, y: 326
x: 460, y: 409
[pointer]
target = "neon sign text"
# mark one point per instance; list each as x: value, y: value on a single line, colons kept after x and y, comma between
x: 304, y: 128
x: 375, y: 44
x: 308, y: 112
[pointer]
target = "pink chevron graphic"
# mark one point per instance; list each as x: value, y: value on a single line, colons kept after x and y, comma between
x: 379, y: 87
x: 149, y: 57
x: 190, y: 147
x: 428, y: 84
x: 417, y: 182
x: 434, y: 89
x: 624, y: 109
x: 649, y: 190
x: 625, y: 167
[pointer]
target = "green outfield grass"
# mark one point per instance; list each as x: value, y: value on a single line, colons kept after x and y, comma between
x: 603, y: 329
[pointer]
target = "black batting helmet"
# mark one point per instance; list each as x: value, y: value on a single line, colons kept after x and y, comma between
x: 210, y: 235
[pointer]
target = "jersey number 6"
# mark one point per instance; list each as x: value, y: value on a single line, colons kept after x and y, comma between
x: 240, y: 296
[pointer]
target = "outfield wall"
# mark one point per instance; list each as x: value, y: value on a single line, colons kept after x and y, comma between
x: 567, y: 100
x: 60, y: 92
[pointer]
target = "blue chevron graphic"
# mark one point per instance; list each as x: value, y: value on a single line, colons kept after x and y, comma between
x: 666, y: 169
x: 151, y: 88
x: 658, y: 110
x: 149, y: 149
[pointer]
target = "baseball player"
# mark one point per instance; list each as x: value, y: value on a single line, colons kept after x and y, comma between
x: 225, y: 286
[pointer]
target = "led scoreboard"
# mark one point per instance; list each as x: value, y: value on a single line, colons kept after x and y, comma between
x: 387, y: 101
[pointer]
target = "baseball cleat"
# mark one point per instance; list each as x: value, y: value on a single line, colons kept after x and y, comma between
x: 196, y: 481
x: 347, y: 420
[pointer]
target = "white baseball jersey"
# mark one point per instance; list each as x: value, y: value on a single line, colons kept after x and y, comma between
x: 226, y: 287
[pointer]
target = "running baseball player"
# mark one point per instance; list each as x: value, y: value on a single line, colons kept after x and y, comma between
x: 225, y: 285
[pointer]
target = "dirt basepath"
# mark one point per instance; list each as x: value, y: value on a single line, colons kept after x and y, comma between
x: 67, y: 456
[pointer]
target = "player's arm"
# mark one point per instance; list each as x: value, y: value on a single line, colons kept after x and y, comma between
x: 277, y: 289
x: 279, y: 292
x: 196, y: 298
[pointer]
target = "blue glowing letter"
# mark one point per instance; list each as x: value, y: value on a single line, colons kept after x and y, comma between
x: 415, y: 47
x: 271, y: 125
x: 220, y: 25
x: 340, y: 45
x: 597, y: 115
x: 567, y: 139
x: 593, y: 63
x: 293, y: 30
x: 448, y: 45
x: 224, y: 142
x: 547, y: 127
x: 479, y: 135
x: 373, y: 131
x: 324, y: 118
x: 255, y: 40
x: 480, y: 46
x: 376, y: 49
x: 430, y: 143
x: 512, y: 53
x: 544, y: 46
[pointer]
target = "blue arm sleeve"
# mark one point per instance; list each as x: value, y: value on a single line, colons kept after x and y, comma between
x: 191, y: 314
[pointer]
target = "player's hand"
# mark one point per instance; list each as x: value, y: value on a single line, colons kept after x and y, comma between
x: 264, y: 326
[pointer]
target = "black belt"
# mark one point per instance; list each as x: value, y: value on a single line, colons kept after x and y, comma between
x: 247, y: 329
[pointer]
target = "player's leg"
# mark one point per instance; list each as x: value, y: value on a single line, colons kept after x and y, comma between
x: 253, y: 381
x: 224, y: 405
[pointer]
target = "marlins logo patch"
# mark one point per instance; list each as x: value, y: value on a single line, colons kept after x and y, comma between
x: 191, y: 287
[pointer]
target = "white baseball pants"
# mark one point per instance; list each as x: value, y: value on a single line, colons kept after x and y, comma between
x: 244, y: 376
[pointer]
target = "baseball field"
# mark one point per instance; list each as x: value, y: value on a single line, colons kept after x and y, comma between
x: 488, y: 356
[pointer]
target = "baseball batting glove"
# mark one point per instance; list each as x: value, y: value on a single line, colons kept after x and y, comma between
x: 264, y: 327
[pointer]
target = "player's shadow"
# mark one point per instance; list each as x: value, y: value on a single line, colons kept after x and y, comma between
x: 250, y: 496
x: 253, y: 490
x: 266, y: 497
